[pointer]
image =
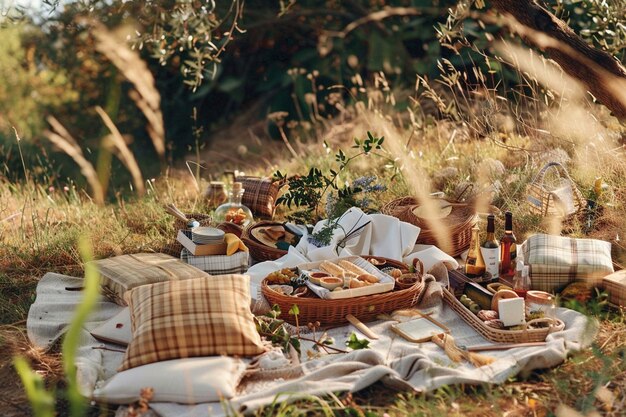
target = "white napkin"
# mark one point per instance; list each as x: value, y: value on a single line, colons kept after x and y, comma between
x: 352, y: 236
x: 430, y: 256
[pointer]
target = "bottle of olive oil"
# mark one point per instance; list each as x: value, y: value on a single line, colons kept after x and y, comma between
x: 491, y: 250
x: 474, y: 263
x: 508, y: 248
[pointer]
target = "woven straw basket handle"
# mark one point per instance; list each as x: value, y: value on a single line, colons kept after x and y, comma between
x: 542, y: 173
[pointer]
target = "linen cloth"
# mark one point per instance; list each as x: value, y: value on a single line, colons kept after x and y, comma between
x: 391, y: 359
x: 556, y: 261
x: 236, y: 263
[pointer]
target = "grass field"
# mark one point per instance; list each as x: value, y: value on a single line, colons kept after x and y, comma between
x: 40, y: 228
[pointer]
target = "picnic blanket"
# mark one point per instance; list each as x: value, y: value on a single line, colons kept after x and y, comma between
x: 391, y: 359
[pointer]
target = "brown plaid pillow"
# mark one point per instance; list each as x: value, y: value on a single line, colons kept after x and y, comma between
x: 122, y: 273
x: 260, y: 195
x: 556, y: 261
x: 196, y: 317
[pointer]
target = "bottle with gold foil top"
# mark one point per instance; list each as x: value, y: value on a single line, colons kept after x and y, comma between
x: 508, y: 248
x: 491, y: 250
x: 234, y: 211
x: 474, y: 263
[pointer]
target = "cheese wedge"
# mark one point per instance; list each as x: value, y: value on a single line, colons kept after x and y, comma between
x: 232, y: 243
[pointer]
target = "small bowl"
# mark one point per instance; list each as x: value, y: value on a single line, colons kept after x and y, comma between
x: 330, y: 283
x: 405, y: 281
x: 315, y: 277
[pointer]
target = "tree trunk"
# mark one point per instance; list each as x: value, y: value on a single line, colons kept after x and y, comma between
x: 601, y: 73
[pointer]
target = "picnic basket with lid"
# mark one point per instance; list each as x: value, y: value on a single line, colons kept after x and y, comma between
x: 558, y: 198
x: 333, y: 312
x: 459, y: 221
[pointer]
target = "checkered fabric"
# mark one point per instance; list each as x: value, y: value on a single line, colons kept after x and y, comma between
x: 556, y: 261
x: 198, y: 317
x: 260, y: 195
x: 122, y: 273
x: 236, y: 263
x: 615, y: 285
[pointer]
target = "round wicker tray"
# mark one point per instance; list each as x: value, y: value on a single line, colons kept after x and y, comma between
x: 332, y: 312
x: 497, y: 335
x: 258, y: 250
x: 460, y: 221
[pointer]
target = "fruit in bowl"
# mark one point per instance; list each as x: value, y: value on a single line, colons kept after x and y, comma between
x: 330, y: 283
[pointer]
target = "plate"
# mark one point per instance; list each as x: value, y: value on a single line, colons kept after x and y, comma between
x: 206, y: 235
x: 258, y: 233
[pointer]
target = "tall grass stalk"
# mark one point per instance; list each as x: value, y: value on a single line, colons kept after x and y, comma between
x: 124, y: 153
x: 91, y: 292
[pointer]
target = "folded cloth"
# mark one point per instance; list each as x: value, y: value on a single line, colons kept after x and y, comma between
x: 431, y: 256
x: 218, y: 264
x: 358, y: 233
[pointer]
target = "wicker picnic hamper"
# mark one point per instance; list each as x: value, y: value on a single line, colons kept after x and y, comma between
x: 333, y: 312
x: 497, y: 335
x: 459, y: 222
x: 559, y: 199
x: 174, y: 248
x: 258, y: 250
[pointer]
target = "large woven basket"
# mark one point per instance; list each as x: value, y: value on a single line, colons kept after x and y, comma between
x: 497, y: 335
x: 562, y: 199
x: 333, y: 312
x: 258, y: 250
x: 459, y: 223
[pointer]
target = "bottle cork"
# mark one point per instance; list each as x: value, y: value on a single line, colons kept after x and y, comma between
x: 237, y: 186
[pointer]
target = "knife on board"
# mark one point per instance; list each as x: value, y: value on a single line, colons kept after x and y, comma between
x: 361, y: 327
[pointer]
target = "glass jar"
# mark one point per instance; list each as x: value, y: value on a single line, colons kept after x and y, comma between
x: 537, y: 301
x: 234, y: 211
x: 215, y: 194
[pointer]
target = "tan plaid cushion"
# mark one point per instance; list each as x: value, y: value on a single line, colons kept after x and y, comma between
x: 556, y: 261
x: 191, y: 318
x: 122, y: 273
x: 259, y: 195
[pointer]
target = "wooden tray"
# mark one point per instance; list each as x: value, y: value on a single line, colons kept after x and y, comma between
x: 497, y: 335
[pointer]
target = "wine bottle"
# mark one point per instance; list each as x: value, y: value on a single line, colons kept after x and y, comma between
x: 474, y: 263
x: 508, y: 248
x: 490, y: 250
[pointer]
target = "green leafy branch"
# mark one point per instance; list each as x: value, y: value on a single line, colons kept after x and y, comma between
x: 307, y: 191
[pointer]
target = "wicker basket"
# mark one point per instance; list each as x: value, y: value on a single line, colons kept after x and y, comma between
x: 497, y: 335
x: 557, y: 200
x: 229, y: 227
x: 174, y: 248
x: 333, y: 312
x: 459, y: 222
x: 258, y: 250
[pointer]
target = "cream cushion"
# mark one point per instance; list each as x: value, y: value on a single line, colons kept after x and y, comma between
x: 185, y: 381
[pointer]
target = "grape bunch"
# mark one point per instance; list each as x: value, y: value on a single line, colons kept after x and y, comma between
x: 283, y: 276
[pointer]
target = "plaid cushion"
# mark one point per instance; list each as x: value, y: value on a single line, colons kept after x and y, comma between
x: 259, y: 195
x: 122, y: 273
x: 236, y: 263
x: 556, y: 261
x: 615, y: 285
x: 191, y: 318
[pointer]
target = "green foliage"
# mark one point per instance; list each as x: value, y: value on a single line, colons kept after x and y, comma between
x: 272, y: 327
x: 41, y: 400
x: 355, y: 343
x: 307, y: 192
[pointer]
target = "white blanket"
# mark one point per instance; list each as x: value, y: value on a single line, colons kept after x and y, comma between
x: 391, y: 359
